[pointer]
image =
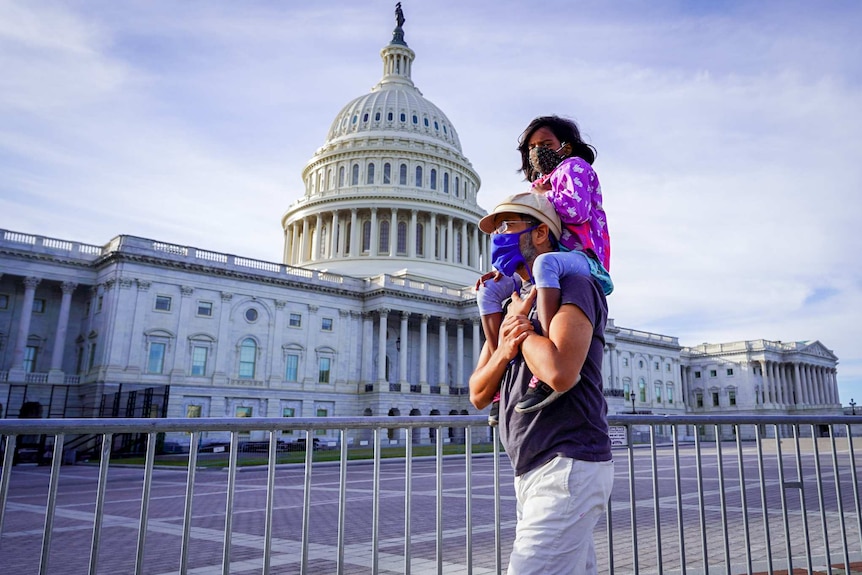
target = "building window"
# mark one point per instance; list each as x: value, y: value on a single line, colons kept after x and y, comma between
x: 251, y: 315
x: 433, y: 182
x: 163, y: 303
x: 642, y: 390
x: 156, y: 357
x: 323, y: 370
x: 100, y: 302
x: 667, y: 367
x: 326, y: 324
x: 402, y: 237
x: 625, y: 362
x: 389, y: 117
x: 247, y: 358
x: 697, y: 375
x: 458, y: 251
x: 627, y: 391
x: 38, y: 305
x: 193, y: 410
x: 670, y: 394
x: 418, y: 176
x: 30, y: 353
x: 446, y: 183
x: 387, y: 173
x: 420, y: 239
x: 291, y: 369
x: 415, y: 119
x: 699, y: 399
x: 658, y: 393
x: 715, y: 401
x: 288, y: 412
x: 640, y: 364
x: 205, y: 308
x: 457, y: 186
x: 354, y: 177
x: 713, y: 373
x: 369, y: 177
x: 91, y: 360
x: 366, y: 236
x: 199, y: 360
x: 383, y: 237
x: 402, y: 175
x: 730, y: 371
x: 295, y: 320
x: 243, y: 411
x: 341, y: 176
x: 4, y: 301
x: 656, y: 366
x: 731, y: 395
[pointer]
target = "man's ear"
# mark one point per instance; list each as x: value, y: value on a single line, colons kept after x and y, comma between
x: 543, y: 234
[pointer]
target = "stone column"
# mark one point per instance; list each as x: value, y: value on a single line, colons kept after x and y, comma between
x: 430, y: 238
x: 441, y: 371
x: 449, y: 241
x: 333, y: 240
x: 381, y: 345
x: 366, y: 349
x: 318, y: 238
x: 767, y: 383
x: 411, y: 234
x: 464, y: 244
x: 459, y: 359
x: 184, y: 316
x: 291, y: 253
x: 303, y: 244
x: 30, y: 284
x: 423, y: 349
x: 474, y: 247
x: 393, y: 233
x: 354, y: 233
x: 819, y: 398
x: 221, y: 373
x: 797, y: 388
x: 405, y: 344
x: 372, y: 248
x: 67, y: 289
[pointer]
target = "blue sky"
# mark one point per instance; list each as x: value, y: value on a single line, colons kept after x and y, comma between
x: 728, y: 134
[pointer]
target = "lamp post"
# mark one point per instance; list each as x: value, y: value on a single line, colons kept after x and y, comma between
x: 853, y: 406
x: 633, y: 403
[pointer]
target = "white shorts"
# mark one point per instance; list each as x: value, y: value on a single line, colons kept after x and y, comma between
x: 559, y: 505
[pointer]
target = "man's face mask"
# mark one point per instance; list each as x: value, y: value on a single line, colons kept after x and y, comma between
x: 544, y: 160
x: 506, y: 252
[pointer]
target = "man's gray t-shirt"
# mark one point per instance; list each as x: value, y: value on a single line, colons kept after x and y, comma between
x: 575, y: 425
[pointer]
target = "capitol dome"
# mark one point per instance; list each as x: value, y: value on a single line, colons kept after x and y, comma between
x: 390, y: 191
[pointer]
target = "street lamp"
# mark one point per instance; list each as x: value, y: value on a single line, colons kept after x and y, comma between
x: 632, y: 395
x: 853, y: 406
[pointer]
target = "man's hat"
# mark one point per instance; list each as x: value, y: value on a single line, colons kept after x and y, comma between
x: 529, y: 204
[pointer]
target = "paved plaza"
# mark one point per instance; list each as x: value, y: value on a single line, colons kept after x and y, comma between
x: 652, y: 547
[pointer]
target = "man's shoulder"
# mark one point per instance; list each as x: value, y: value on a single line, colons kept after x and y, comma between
x: 582, y: 291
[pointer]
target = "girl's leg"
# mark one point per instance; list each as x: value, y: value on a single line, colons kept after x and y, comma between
x: 548, y: 269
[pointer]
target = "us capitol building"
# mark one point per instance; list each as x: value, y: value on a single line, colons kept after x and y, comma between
x: 372, y: 311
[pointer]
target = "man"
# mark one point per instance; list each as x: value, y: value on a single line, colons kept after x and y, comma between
x: 561, y: 454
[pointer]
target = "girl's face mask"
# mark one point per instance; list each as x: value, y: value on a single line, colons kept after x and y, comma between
x: 544, y: 160
x: 506, y: 252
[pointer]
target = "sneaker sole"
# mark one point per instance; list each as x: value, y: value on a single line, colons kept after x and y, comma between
x: 545, y: 402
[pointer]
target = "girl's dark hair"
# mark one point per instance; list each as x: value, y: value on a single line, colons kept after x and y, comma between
x: 565, y: 130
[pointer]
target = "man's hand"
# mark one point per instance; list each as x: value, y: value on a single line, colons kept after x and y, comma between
x: 514, y: 330
x: 485, y: 277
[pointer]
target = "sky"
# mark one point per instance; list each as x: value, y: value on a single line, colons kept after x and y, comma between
x: 728, y: 134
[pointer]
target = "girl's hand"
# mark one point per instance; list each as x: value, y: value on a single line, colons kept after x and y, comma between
x: 485, y: 277
x: 522, y: 306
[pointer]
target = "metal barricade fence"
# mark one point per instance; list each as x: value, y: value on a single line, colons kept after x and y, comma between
x: 692, y: 494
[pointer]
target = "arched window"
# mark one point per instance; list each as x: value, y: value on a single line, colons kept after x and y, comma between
x: 457, y: 189
x: 348, y: 232
x: 418, y: 176
x: 437, y: 243
x: 642, y: 390
x: 446, y: 183
x: 341, y: 177
x: 366, y: 236
x: 329, y: 181
x: 458, y: 240
x: 247, y: 358
x: 402, y: 237
x: 420, y: 239
x: 369, y: 178
x: 354, y: 178
x: 387, y: 173
x: 433, y: 179
x: 402, y: 175
x: 384, y: 237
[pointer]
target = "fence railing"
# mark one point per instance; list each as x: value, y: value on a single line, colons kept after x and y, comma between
x: 692, y: 494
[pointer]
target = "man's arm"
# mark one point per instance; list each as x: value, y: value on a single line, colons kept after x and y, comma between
x: 486, y: 378
x: 557, y: 359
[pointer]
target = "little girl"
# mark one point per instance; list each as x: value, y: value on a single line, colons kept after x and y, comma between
x: 559, y: 164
